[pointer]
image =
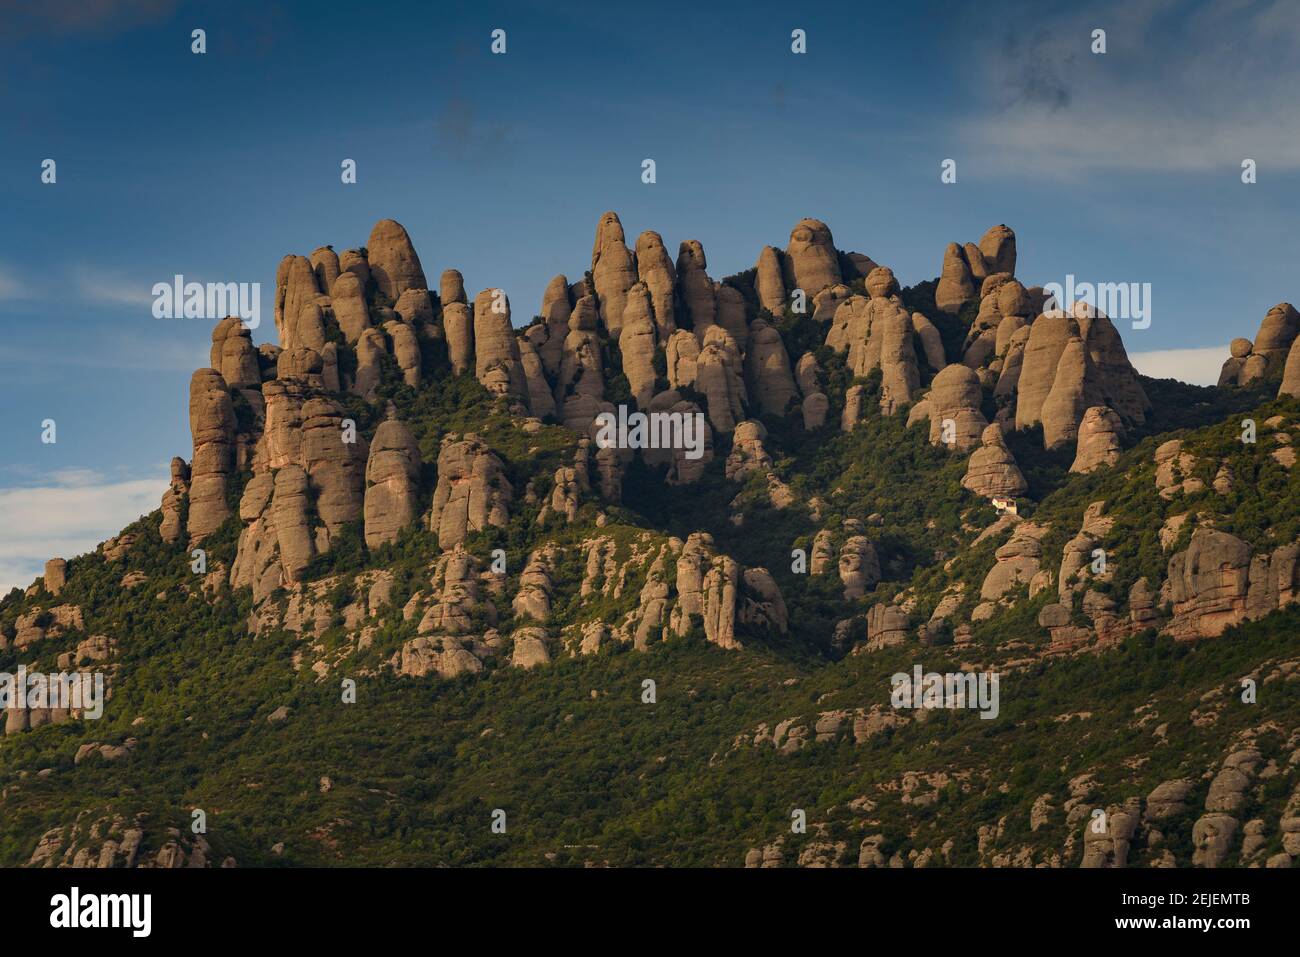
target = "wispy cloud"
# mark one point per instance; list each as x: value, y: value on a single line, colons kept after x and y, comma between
x: 127, y: 352
x: 1198, y: 366
x: 11, y: 287
x: 109, y: 289
x: 1173, y: 92
x: 71, y: 513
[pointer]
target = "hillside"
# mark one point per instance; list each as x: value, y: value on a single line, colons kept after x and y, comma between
x: 402, y: 583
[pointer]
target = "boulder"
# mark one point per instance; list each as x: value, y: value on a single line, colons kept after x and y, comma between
x: 811, y: 261
x: 992, y: 471
x: 931, y: 341
x: 814, y: 407
x: 748, y: 456
x: 637, y: 344
x: 530, y: 648
x: 394, y: 265
x: 696, y: 286
x: 1048, y: 336
x: 349, y: 303
x: 859, y: 566
x: 170, y: 527
x: 458, y: 326
x: 998, y: 247
x: 335, y: 466
x: 295, y: 288
x: 354, y: 261
x: 451, y: 287
x: 769, y: 282
x: 392, y: 481
x: 1276, y: 334
x: 767, y: 369
x: 472, y: 491
x: 881, y: 283
x: 718, y: 378
x: 234, y: 356
x: 325, y: 264
x: 1016, y: 562
x: 406, y: 349
x: 212, y: 426
x: 613, y: 271
x: 495, y: 345
x: 289, y: 507
x: 730, y: 314
x: 955, y: 397
x: 1212, y: 837
x: 1291, y: 372
x: 708, y: 588
x: 1098, y: 442
x: 1208, y: 584
x: 56, y: 575
x: 956, y: 284
x: 415, y: 308
x: 1065, y: 402
x: 655, y: 269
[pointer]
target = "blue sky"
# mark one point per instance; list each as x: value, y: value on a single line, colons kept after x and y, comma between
x: 1120, y: 167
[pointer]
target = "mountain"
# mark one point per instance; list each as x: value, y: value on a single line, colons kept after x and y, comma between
x: 418, y: 596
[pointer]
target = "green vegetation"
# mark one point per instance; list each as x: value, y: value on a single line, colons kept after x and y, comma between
x: 584, y: 770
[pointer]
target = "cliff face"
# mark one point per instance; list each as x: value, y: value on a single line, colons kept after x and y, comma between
x: 406, y: 486
x: 341, y: 327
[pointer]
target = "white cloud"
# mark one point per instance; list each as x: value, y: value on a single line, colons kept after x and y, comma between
x: 128, y: 350
x: 1178, y: 89
x: 1196, y: 366
x: 109, y: 289
x: 73, y: 514
x: 11, y: 287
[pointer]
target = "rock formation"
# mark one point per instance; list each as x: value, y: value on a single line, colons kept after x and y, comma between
x: 954, y: 408
x: 769, y: 282
x: 956, y: 284
x: 392, y: 480
x: 613, y: 269
x: 394, y: 265
x: 212, y: 426
x: 472, y: 492
x: 1249, y: 363
x: 696, y: 287
x: 859, y: 566
x: 811, y: 262
x: 1098, y: 441
x: 767, y: 369
x: 655, y: 269
x: 637, y: 344
x: 495, y: 347
x: 992, y: 471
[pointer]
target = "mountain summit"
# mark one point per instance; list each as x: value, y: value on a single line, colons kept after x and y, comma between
x: 423, y: 566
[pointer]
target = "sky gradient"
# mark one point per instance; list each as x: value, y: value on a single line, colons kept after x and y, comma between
x: 1122, y: 167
